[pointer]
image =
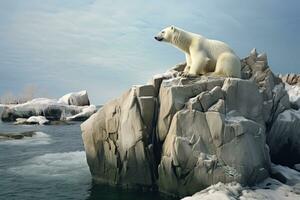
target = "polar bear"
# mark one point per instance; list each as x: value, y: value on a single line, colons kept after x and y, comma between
x: 203, y: 55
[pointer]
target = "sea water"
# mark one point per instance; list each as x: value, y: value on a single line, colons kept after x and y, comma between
x: 52, y: 165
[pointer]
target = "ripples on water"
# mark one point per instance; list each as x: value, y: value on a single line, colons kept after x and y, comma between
x: 52, y: 165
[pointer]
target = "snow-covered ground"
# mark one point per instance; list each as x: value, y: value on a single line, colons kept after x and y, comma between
x: 269, y: 189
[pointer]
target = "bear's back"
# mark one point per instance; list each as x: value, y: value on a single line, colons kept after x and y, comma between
x: 214, y: 48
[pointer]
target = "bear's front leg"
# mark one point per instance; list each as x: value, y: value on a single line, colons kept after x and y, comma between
x: 186, y: 71
x: 199, y: 64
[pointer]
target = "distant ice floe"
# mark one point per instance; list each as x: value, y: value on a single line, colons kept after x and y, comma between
x: 68, y: 166
x: 40, y: 138
x: 73, y: 107
x: 41, y: 120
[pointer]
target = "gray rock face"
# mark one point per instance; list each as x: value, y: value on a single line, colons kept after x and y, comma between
x: 176, y: 92
x: 183, y: 134
x: 284, y: 138
x: 204, y: 147
x: 281, y: 100
x: 117, y: 139
x: 275, y: 98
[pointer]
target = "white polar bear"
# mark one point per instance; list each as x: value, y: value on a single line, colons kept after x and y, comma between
x: 203, y: 56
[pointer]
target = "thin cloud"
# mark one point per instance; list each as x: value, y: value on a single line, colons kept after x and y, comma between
x: 108, y: 45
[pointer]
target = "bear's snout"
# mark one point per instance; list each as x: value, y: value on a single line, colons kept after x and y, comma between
x: 158, y: 38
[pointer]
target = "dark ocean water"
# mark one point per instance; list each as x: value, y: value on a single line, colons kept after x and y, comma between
x: 52, y: 165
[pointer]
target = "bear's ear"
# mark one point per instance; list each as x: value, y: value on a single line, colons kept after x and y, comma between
x: 173, y: 28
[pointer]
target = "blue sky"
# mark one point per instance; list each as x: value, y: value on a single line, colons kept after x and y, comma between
x: 106, y: 46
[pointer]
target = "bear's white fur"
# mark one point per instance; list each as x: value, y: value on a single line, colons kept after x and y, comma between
x: 203, y: 56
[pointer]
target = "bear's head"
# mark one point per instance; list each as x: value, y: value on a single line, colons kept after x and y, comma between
x: 166, y: 34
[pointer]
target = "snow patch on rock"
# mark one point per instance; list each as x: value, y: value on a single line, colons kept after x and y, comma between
x: 75, y: 98
x: 294, y: 94
x: 269, y: 189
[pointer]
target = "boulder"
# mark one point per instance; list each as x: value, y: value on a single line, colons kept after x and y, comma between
x: 75, y: 98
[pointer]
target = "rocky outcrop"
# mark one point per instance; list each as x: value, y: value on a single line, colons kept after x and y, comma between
x: 51, y: 109
x: 275, y: 98
x: 75, y: 98
x: 281, y: 100
x: 182, y: 134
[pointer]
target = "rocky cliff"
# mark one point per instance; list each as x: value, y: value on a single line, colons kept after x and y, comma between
x: 182, y: 134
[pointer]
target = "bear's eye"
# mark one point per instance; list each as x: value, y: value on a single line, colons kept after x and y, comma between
x: 163, y: 32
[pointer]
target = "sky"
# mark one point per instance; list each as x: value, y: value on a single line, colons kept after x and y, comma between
x: 105, y: 47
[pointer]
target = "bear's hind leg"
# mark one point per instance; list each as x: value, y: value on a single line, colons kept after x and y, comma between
x: 228, y: 65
